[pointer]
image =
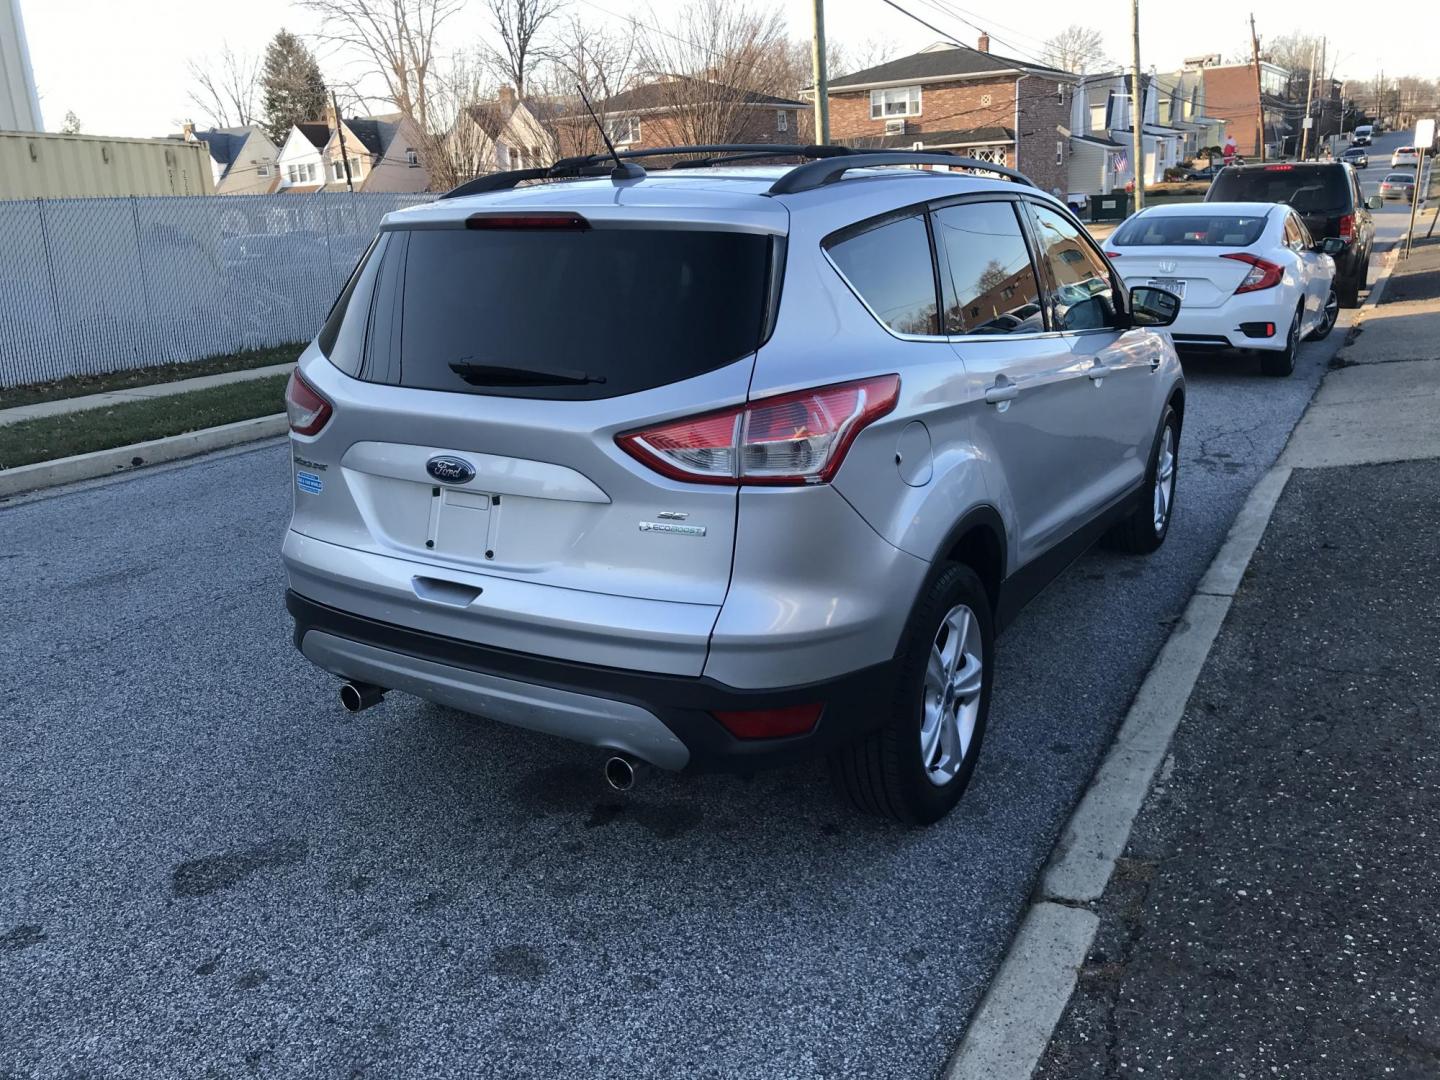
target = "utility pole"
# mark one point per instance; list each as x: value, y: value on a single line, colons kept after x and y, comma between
x: 1309, y: 97
x: 1137, y: 110
x: 817, y: 71
x: 1259, y: 96
x: 340, y: 130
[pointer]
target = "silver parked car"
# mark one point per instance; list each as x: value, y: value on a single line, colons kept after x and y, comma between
x: 722, y: 466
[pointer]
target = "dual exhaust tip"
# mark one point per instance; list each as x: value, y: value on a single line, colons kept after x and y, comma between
x: 621, y: 769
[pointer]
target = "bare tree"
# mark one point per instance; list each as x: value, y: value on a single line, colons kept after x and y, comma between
x: 518, y: 23
x: 394, y: 41
x: 226, y: 88
x: 1076, y: 48
x: 596, y: 60
x: 710, y: 63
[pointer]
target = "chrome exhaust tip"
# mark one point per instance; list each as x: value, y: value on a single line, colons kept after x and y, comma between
x: 360, y: 695
x: 621, y: 771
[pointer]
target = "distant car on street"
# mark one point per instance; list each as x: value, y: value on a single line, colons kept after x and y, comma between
x: 1248, y: 274
x: 1209, y: 172
x: 1362, y: 135
x: 1357, y: 157
x: 1398, y: 185
x: 1328, y: 199
x: 1404, y: 155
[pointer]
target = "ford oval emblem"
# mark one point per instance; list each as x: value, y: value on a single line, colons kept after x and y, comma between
x: 450, y: 470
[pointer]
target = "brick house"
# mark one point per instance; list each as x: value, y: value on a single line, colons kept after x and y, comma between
x: 952, y: 97
x: 1230, y: 98
x: 677, y: 110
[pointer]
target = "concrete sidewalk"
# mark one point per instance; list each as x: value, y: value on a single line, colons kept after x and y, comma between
x: 1273, y: 913
x: 135, y: 393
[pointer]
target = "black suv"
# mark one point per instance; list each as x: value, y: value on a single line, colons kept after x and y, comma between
x: 1326, y: 195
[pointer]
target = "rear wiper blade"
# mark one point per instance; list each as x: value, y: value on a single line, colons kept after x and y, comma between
x: 507, y: 375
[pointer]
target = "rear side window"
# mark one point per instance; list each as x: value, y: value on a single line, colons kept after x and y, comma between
x: 1310, y: 189
x: 1197, y: 230
x: 1084, y: 297
x: 573, y: 313
x: 890, y: 267
x: 986, y: 277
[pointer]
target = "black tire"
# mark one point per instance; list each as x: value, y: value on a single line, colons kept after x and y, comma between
x: 1348, y: 288
x: 1280, y: 364
x: 1137, y: 534
x: 1332, y: 312
x: 882, y: 773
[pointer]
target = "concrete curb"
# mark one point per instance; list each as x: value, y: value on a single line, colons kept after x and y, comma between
x: 124, y: 458
x: 1016, y: 1018
x: 109, y: 398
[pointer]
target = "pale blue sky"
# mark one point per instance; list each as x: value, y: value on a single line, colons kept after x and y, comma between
x: 120, y: 64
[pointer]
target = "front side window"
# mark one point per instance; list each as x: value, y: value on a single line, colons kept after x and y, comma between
x: 889, y: 266
x: 1083, y: 296
x: 986, y: 277
x: 894, y: 101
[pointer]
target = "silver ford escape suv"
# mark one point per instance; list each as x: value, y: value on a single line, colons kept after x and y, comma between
x: 725, y: 464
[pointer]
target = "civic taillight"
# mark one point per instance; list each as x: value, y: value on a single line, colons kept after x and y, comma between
x: 1263, y: 273
x: 1347, y: 226
x: 795, y: 438
x: 306, y: 410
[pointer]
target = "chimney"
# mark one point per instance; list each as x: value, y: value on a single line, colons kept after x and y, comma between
x: 984, y: 43
x: 187, y: 131
x: 507, y: 97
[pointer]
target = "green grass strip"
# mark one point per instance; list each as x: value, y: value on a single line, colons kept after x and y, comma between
x: 51, y: 437
x: 80, y: 385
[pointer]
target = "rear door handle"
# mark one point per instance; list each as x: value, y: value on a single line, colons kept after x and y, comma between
x: 994, y: 395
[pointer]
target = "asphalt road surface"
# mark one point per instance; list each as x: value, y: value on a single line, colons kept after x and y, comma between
x: 208, y: 869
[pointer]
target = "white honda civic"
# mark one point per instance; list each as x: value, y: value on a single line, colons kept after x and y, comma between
x: 1248, y: 275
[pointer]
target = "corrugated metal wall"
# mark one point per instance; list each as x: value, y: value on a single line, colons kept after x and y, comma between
x: 95, y: 285
x: 35, y: 165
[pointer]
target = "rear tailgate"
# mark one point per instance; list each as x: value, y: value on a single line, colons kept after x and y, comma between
x: 1205, y: 279
x: 479, y: 377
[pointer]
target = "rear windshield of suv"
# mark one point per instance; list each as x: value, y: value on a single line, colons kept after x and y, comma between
x: 1198, y: 230
x: 562, y: 313
x: 1310, y: 189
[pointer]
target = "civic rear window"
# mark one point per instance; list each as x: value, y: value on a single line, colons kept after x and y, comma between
x: 571, y: 313
x: 1198, y: 230
x: 1309, y: 189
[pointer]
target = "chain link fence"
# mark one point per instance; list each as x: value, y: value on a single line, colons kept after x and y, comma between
x: 96, y: 285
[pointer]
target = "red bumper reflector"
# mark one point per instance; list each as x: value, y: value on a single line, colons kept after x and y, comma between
x: 771, y: 723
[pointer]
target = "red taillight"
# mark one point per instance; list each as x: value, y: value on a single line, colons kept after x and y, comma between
x: 1278, y: 168
x: 1263, y: 274
x: 541, y: 220
x: 771, y: 723
x: 1112, y: 254
x: 796, y: 438
x: 306, y: 410
x: 1347, y: 225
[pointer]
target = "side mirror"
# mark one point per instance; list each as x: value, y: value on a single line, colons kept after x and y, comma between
x: 1150, y: 306
x: 1331, y: 245
x: 1374, y: 202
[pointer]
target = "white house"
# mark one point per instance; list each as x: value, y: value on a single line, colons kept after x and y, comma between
x: 1101, y: 136
x: 383, y: 153
x: 506, y: 133
x: 302, y: 158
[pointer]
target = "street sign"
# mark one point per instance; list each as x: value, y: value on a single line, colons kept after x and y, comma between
x: 1425, y: 133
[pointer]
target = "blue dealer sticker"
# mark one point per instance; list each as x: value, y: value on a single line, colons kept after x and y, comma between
x: 308, y: 481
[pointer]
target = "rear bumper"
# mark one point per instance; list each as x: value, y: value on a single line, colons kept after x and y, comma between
x: 663, y: 719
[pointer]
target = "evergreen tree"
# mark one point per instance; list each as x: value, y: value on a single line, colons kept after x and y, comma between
x: 293, y: 88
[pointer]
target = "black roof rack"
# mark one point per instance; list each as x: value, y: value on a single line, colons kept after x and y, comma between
x: 827, y: 164
x: 815, y: 174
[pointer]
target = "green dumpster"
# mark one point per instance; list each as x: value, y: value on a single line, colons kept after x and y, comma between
x: 1112, y: 207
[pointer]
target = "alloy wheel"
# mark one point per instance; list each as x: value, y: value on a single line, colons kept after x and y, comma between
x: 954, y: 676
x: 1164, y: 480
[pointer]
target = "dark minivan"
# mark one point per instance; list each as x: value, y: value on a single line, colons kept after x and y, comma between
x: 1327, y: 197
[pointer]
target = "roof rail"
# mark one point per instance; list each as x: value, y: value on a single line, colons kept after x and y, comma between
x: 827, y: 164
x: 595, y: 164
x: 816, y: 174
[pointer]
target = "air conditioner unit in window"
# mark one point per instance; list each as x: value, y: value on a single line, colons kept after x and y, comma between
x: 894, y: 127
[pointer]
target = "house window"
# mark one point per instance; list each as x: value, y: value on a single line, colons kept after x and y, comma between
x: 623, y: 130
x: 337, y: 170
x: 1060, y: 92
x: 1059, y: 152
x: 300, y: 174
x: 894, y: 101
x: 782, y: 120
x: 1097, y: 117
x: 993, y: 154
x: 355, y: 167
x: 262, y: 170
x: 412, y: 158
